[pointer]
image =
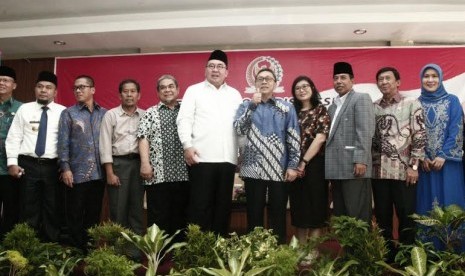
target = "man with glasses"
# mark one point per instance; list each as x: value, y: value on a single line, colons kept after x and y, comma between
x: 205, y: 127
x: 78, y: 151
x: 9, y: 192
x: 31, y: 148
x: 271, y: 153
x: 162, y: 161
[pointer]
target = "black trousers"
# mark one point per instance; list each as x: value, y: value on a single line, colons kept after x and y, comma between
x: 83, y: 208
x: 210, y: 196
x: 167, y: 205
x: 256, y: 191
x: 388, y: 193
x: 39, y: 196
x: 9, y: 204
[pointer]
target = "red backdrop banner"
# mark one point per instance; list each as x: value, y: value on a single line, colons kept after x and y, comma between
x: 189, y: 68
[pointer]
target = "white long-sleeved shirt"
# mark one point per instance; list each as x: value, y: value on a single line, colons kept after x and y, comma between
x: 22, y: 136
x: 205, y: 122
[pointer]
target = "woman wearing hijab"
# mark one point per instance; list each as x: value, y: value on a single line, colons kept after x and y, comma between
x: 441, y: 176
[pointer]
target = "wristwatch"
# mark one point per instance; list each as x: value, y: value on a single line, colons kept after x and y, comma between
x: 414, y: 167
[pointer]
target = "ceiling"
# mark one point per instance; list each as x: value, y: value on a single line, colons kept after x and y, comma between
x: 28, y: 28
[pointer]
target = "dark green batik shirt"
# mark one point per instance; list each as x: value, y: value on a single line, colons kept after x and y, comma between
x: 7, y: 112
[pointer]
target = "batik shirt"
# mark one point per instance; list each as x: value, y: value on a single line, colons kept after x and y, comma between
x: 400, y: 137
x: 444, y: 128
x: 312, y: 122
x: 166, y: 155
x: 272, y: 139
x: 7, y: 112
x: 78, y: 142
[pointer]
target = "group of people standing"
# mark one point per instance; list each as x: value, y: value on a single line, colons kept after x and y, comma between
x: 402, y: 152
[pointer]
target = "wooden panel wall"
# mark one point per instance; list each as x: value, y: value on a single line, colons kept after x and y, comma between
x: 26, y: 75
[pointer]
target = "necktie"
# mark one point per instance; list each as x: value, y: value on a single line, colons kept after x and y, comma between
x: 40, y: 145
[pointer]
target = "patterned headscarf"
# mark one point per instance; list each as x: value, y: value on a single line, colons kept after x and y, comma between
x: 440, y: 93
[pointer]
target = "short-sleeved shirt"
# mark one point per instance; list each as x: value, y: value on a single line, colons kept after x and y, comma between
x: 312, y: 122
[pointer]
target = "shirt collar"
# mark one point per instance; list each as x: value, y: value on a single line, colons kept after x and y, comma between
x: 122, y: 112
x: 339, y: 101
x: 212, y: 86
x: 82, y: 105
x: 49, y: 105
x: 393, y: 100
x: 9, y: 101
x: 161, y: 105
x: 271, y: 100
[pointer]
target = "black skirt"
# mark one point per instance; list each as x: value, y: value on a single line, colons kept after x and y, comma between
x: 309, y: 196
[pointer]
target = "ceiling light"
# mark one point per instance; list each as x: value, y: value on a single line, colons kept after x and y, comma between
x: 59, y: 42
x: 360, y: 31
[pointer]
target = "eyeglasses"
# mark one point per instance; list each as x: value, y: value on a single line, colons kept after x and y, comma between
x: 267, y: 79
x: 6, y: 80
x: 304, y: 87
x: 212, y: 66
x: 80, y: 87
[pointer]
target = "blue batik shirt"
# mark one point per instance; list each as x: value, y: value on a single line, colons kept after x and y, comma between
x: 272, y: 139
x: 78, y: 142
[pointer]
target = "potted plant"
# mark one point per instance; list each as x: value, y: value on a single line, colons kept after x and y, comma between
x: 198, y: 251
x: 104, y: 262
x: 154, y: 245
x: 236, y: 266
x: 108, y: 235
x: 445, y: 224
x: 17, y: 264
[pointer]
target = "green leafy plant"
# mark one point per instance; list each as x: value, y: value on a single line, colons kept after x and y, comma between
x: 360, y: 244
x: 198, y: 251
x: 53, y: 254
x: 331, y: 269
x: 22, y: 238
x: 17, y: 263
x: 104, y: 262
x: 236, y: 266
x: 447, y: 224
x: 66, y: 268
x: 154, y: 245
x: 108, y: 235
x: 260, y: 241
x: 449, y: 263
x: 419, y: 264
x: 282, y: 261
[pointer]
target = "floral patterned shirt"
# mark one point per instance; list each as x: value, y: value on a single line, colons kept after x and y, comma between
x: 158, y: 126
x: 400, y: 137
x: 312, y: 122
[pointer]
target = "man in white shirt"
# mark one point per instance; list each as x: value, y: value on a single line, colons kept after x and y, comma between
x: 31, y: 148
x: 205, y: 127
